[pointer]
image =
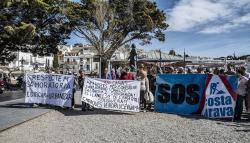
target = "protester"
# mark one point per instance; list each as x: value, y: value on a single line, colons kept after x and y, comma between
x: 152, y: 80
x: 244, y: 72
x: 159, y: 71
x: 113, y: 74
x: 216, y: 71
x: 241, y: 93
x: 142, y: 77
x: 169, y: 70
x: 248, y: 96
x: 207, y: 71
x: 199, y: 70
x: 106, y: 74
x: 126, y: 75
x: 81, y: 78
x: 229, y: 71
x: 221, y: 72
x: 189, y: 70
x: 74, y: 90
x: 180, y: 70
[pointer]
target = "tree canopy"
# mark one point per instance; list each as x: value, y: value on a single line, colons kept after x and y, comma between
x: 109, y: 24
x: 36, y: 26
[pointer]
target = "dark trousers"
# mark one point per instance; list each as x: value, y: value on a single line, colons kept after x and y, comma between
x: 73, y: 99
x: 85, y: 106
x: 239, y: 107
x: 246, y: 102
x: 142, y: 99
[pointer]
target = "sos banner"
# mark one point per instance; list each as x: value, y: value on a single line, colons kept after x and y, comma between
x: 219, y: 98
x: 179, y: 93
x: 183, y: 93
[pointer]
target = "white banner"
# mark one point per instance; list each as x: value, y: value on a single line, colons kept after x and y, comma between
x: 53, y: 89
x: 122, y: 95
x: 220, y: 98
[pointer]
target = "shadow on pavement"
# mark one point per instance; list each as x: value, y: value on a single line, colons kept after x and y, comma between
x: 23, y: 105
x: 68, y: 112
x: 242, y: 125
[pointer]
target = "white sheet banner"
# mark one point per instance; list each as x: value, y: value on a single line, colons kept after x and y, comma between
x: 53, y: 89
x: 122, y: 95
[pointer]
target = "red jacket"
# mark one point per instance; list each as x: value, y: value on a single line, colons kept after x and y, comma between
x: 127, y: 76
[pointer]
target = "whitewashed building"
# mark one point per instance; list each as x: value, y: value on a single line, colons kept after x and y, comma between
x: 78, y: 57
x: 28, y: 62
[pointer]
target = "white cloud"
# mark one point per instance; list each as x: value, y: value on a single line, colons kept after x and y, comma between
x: 201, y: 14
x: 227, y: 27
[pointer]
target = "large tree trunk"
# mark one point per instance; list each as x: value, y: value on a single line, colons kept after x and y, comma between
x: 104, y: 64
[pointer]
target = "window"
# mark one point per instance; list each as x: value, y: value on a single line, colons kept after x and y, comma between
x: 96, y: 66
x: 68, y: 60
x: 88, y: 59
x: 88, y: 68
x: 74, y: 60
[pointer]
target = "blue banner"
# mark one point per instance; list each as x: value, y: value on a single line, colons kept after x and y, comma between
x: 182, y: 93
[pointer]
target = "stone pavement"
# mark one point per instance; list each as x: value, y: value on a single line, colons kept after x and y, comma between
x: 11, y: 95
x: 15, y: 112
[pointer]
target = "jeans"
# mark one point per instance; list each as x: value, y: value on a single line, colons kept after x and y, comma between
x: 142, y: 99
x: 238, y: 107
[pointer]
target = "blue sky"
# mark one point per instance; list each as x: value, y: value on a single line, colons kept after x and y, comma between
x: 211, y: 28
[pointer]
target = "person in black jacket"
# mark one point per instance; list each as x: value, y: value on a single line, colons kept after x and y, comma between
x: 81, y: 78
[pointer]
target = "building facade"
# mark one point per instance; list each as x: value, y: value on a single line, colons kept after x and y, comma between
x: 28, y: 62
x: 78, y: 57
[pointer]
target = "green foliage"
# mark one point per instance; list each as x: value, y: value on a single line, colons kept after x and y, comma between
x: 36, y: 26
x: 108, y: 25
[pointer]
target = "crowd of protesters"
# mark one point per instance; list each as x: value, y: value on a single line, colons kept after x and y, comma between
x: 147, y: 76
